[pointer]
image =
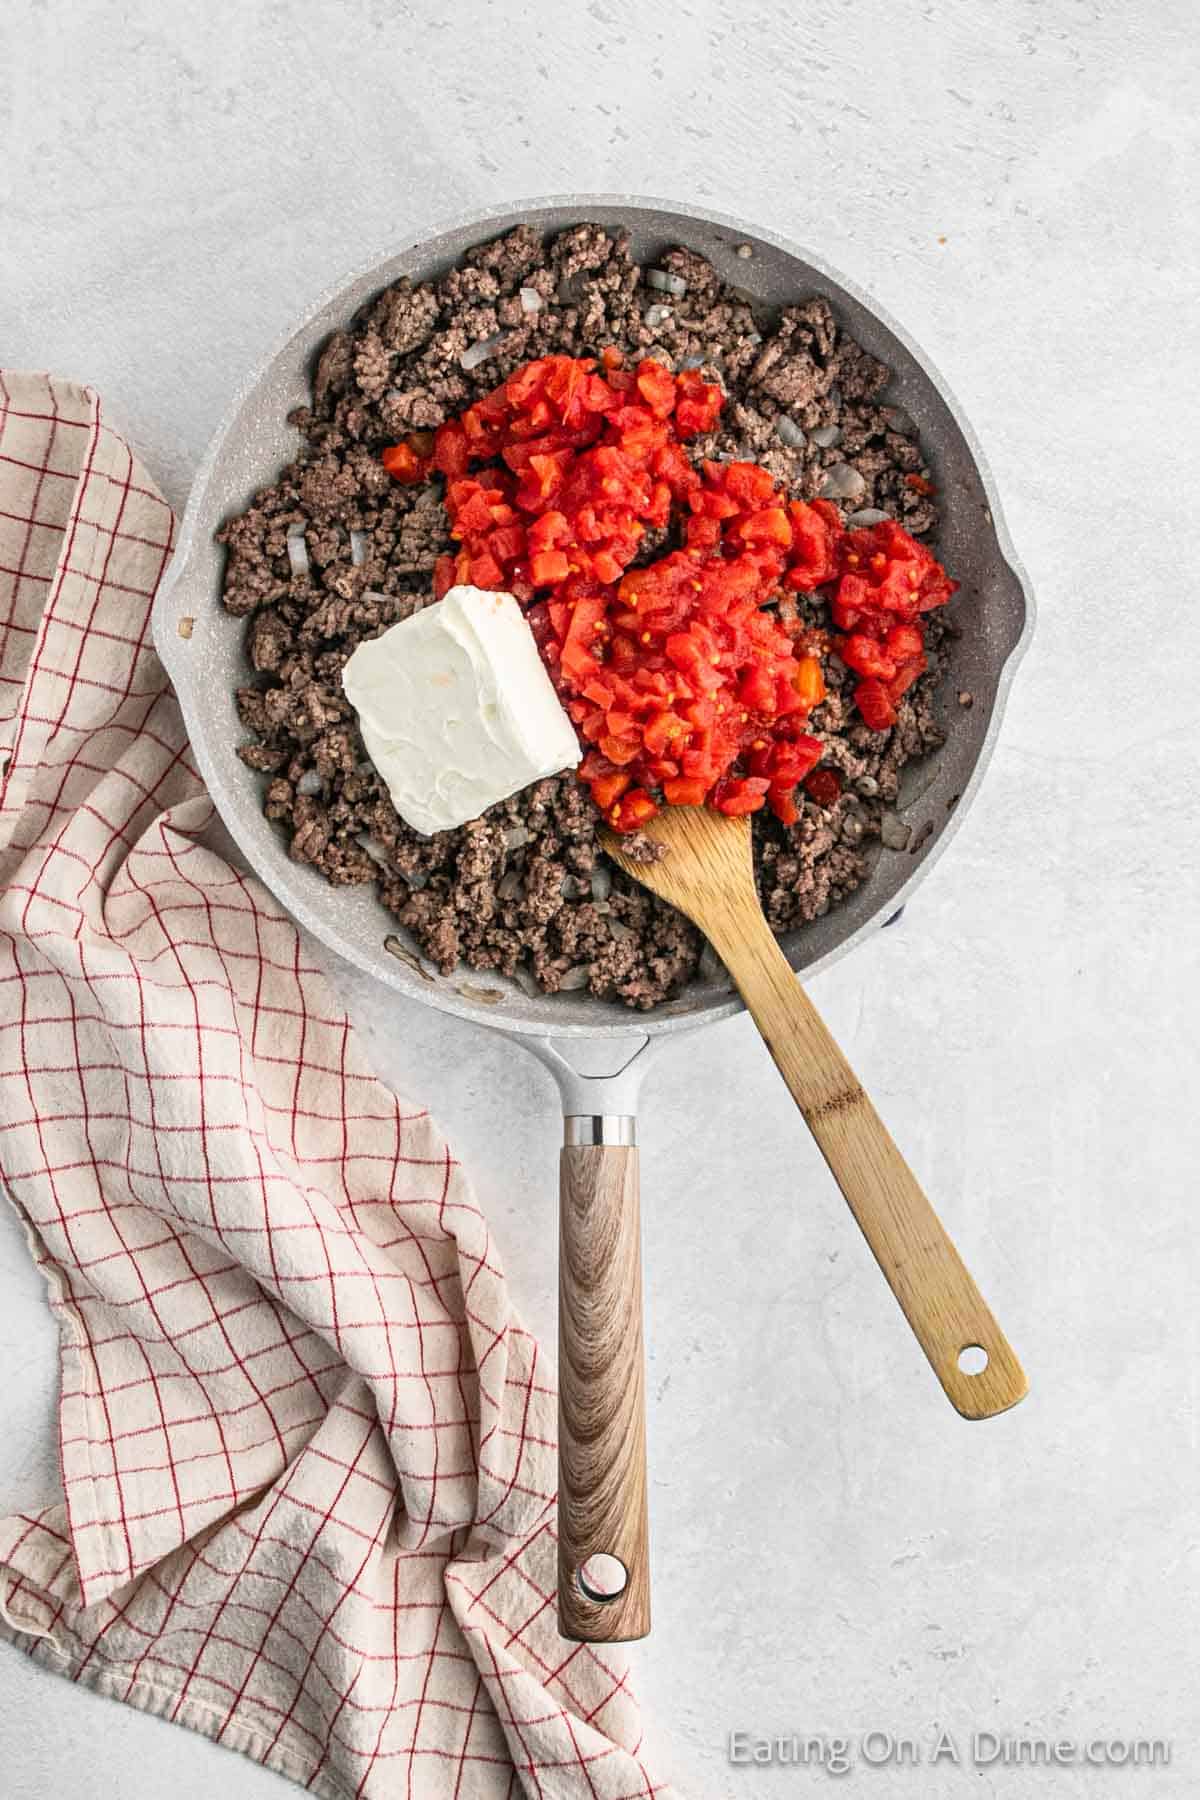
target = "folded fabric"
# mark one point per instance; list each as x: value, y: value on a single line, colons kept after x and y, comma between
x: 307, y: 1449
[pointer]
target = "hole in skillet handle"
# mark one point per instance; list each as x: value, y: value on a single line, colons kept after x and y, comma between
x: 602, y: 1577
x: 972, y: 1359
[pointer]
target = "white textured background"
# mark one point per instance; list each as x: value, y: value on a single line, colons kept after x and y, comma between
x: 834, y: 1549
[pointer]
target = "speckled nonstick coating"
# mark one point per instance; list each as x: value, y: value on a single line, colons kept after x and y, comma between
x: 994, y: 609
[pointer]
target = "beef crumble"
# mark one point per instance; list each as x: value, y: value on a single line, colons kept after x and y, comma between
x: 335, y: 551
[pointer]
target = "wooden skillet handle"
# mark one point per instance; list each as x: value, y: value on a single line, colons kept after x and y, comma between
x: 601, y: 1393
x: 940, y: 1301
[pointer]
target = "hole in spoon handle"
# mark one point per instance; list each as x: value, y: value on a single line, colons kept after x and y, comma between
x: 979, y: 1370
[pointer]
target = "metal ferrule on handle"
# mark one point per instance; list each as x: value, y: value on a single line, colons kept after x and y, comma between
x: 599, y: 1128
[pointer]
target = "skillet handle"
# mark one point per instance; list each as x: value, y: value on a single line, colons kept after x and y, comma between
x: 601, y: 1388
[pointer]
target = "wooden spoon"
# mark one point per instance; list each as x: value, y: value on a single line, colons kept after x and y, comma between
x: 708, y: 874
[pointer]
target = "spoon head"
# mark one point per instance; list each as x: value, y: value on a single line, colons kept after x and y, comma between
x: 703, y: 867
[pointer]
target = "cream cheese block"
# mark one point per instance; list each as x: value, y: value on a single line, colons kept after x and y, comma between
x: 456, y: 709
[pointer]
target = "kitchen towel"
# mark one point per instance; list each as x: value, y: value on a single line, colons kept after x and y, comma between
x: 307, y: 1450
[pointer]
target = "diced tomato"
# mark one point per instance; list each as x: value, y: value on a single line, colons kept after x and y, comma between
x: 656, y: 385
x: 543, y: 476
x: 451, y: 453
x: 632, y: 811
x: 550, y: 530
x: 791, y: 762
x: 905, y: 643
x: 865, y: 656
x: 824, y: 786
x: 782, y: 799
x: 663, y: 732
x: 443, y: 576
x: 673, y: 465
x: 486, y: 572
x: 699, y: 404
x: 607, y: 566
x: 767, y: 526
x: 593, y: 765
x: 756, y: 691
x: 695, y: 654
x: 607, y: 789
x: 473, y: 516
x: 682, y: 790
x: 578, y: 656
x: 404, y: 465
x: 507, y: 542
x: 620, y: 750
x: 702, y: 533
x: 746, y: 482
x: 936, y: 588
x: 875, y: 704
x: 740, y: 795
x: 905, y: 675
x: 816, y: 534
x: 524, y: 385
x: 712, y: 503
x: 548, y: 566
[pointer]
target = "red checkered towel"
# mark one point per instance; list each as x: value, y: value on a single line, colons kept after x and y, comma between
x: 307, y: 1449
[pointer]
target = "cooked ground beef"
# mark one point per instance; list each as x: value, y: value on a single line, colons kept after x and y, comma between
x: 526, y: 889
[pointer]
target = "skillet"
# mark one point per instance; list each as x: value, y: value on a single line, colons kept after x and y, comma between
x: 206, y: 661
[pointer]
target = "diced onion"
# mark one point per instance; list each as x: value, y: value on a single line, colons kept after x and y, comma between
x: 843, y: 483
x: 309, y: 782
x: 713, y: 969
x: 827, y: 437
x: 664, y: 282
x: 297, y: 549
x: 479, y: 353
x: 900, y: 419
x: 657, y: 315
x: 867, y: 515
x: 601, y: 882
x: 358, y: 548
x: 575, y: 978
x: 531, y: 300
x: 789, y: 433
x: 374, y: 850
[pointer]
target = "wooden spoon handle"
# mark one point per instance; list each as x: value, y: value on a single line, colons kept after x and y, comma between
x: 910, y: 1244
x: 601, y: 1398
